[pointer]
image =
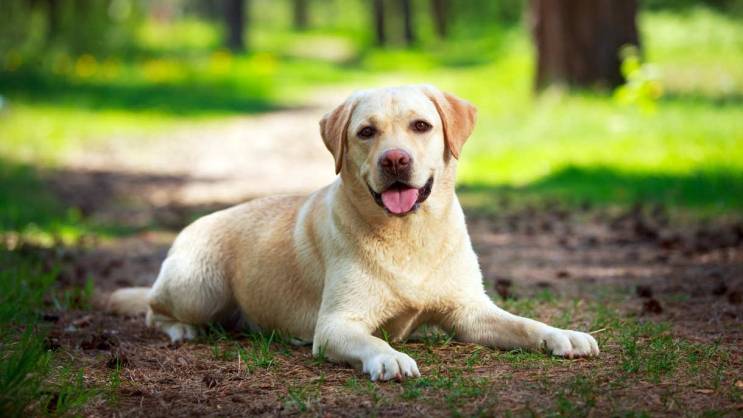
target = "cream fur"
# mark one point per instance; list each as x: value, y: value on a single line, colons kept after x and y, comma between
x: 333, y: 268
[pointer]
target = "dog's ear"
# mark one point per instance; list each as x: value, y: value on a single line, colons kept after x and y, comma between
x: 334, y: 131
x: 457, y: 116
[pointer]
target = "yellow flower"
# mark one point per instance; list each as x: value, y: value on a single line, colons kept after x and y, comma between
x: 86, y: 66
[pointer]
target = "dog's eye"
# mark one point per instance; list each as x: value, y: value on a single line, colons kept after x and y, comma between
x: 421, y: 126
x: 366, y: 132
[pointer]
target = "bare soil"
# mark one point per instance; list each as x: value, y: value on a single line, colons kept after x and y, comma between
x: 635, y: 260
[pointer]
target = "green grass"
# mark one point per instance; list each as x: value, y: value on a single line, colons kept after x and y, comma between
x: 257, y: 353
x: 31, y: 212
x: 25, y: 204
x: 634, y: 350
x: 456, y: 385
x: 33, y: 378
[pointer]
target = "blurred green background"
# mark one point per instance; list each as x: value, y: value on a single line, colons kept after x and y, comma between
x: 77, y: 72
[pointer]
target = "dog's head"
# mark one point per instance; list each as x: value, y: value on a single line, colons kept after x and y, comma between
x: 398, y: 142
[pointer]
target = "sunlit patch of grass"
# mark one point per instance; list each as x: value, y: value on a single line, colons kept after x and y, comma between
x: 181, y: 35
x: 697, y: 51
x: 43, y: 133
x: 587, y: 132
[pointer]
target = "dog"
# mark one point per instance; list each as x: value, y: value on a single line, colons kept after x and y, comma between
x: 382, y: 250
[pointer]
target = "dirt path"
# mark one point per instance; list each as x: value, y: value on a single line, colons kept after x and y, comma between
x: 212, y: 163
x: 575, y: 264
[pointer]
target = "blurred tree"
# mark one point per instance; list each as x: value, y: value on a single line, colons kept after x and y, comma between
x: 52, y: 19
x: 378, y: 13
x: 235, y: 21
x: 301, y: 14
x: 438, y: 12
x: 401, y: 14
x: 578, y: 41
x: 407, y: 21
x: 209, y: 10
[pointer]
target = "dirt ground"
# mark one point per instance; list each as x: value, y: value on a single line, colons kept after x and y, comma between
x: 562, y: 266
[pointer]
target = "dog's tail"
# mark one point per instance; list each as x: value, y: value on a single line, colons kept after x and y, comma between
x: 129, y: 301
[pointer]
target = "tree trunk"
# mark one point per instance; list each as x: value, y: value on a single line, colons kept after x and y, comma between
x: 438, y: 10
x: 578, y: 41
x: 53, y: 24
x: 407, y: 21
x: 300, y: 14
x: 235, y: 20
x: 378, y: 6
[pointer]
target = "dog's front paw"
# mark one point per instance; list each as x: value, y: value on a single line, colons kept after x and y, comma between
x: 393, y: 365
x: 566, y: 343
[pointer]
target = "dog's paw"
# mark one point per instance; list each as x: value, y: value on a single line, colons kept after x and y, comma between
x: 570, y: 344
x: 393, y: 365
x: 179, y: 332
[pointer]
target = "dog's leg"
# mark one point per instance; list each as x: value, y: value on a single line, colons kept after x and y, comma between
x: 345, y: 340
x: 481, y: 321
x: 187, y: 295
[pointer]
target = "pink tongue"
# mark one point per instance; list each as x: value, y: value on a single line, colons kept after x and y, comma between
x: 399, y: 201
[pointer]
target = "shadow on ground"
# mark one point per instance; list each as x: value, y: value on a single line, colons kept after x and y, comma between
x: 714, y: 190
x: 187, y: 97
x: 112, y: 203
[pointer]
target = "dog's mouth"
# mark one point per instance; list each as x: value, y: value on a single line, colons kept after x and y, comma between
x: 401, y: 198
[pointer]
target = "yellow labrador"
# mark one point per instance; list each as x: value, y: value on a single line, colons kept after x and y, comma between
x: 384, y: 247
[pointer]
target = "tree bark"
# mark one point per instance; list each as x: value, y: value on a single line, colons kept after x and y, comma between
x: 52, y: 16
x: 438, y: 11
x: 407, y: 21
x: 578, y: 41
x: 235, y: 22
x: 300, y: 14
x: 378, y: 12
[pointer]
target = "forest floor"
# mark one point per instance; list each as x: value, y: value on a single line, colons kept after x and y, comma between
x: 662, y: 295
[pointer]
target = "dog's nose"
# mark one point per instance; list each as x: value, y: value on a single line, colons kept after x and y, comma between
x: 395, y: 162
